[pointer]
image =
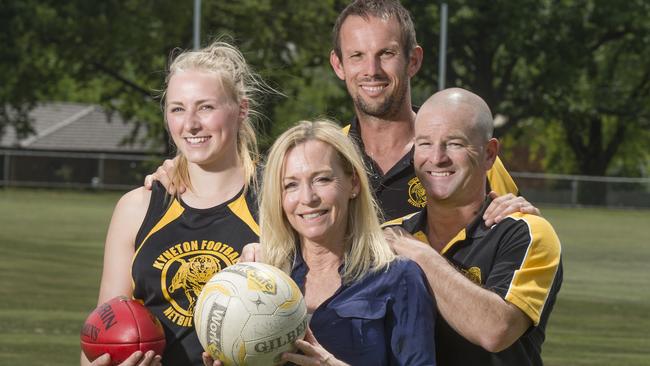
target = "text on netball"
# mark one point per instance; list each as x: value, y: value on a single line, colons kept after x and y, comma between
x: 266, y: 284
x: 214, y: 325
x: 272, y: 344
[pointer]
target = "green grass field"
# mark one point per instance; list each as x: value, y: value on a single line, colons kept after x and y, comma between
x: 50, y: 264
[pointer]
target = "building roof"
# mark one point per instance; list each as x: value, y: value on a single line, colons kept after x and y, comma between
x: 63, y: 126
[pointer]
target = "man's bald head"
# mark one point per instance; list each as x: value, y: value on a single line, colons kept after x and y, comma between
x: 454, y: 147
x: 463, y: 104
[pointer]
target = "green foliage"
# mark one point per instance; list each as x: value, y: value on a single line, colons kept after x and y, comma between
x: 114, y: 53
x: 603, y: 102
x: 582, y: 66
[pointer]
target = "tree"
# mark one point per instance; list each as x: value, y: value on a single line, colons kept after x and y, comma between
x: 576, y: 70
x: 582, y: 64
x: 114, y: 52
x: 605, y: 102
x: 110, y: 52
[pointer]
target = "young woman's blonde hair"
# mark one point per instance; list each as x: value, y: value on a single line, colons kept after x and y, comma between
x: 240, y: 83
x: 366, y: 248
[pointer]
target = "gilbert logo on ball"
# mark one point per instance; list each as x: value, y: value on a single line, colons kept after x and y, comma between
x: 248, y: 314
x: 120, y: 327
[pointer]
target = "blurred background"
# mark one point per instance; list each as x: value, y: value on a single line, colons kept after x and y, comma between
x: 80, y: 123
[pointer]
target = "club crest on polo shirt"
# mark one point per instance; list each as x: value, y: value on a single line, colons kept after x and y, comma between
x: 473, y: 274
x: 417, y: 195
x: 184, y: 270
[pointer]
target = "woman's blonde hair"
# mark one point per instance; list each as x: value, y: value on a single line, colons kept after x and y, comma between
x: 240, y: 83
x: 366, y: 248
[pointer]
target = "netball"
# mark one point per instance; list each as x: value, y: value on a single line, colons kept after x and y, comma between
x: 249, y: 313
x: 120, y: 327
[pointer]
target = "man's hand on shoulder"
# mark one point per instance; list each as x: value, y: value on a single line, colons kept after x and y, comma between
x: 405, y: 244
x: 502, y: 206
x: 164, y: 175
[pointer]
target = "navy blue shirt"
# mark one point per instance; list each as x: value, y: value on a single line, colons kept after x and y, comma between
x: 386, y: 318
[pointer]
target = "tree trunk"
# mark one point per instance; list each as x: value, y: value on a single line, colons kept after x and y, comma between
x: 593, y: 155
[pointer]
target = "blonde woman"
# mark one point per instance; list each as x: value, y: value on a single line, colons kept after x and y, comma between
x: 161, y: 249
x: 319, y: 223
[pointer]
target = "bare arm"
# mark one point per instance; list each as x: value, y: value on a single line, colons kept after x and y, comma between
x: 478, y: 314
x: 120, y: 244
x: 119, y: 249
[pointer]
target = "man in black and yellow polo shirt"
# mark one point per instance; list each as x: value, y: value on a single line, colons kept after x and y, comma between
x: 399, y: 191
x: 375, y: 52
x: 494, y: 286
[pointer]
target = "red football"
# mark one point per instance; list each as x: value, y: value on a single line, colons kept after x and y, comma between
x: 120, y: 327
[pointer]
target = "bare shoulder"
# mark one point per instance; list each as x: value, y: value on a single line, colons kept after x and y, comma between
x: 135, y: 200
x: 127, y: 218
x: 119, y: 248
x: 132, y: 207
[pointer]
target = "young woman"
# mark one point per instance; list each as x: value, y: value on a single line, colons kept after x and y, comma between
x: 161, y: 249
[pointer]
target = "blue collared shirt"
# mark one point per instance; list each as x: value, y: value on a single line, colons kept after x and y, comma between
x: 386, y: 318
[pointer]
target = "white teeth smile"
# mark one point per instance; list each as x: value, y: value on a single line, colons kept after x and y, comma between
x: 196, y: 140
x: 440, y: 174
x: 373, y: 89
x: 312, y: 215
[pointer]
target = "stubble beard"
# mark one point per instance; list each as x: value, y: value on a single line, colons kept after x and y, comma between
x: 385, y: 109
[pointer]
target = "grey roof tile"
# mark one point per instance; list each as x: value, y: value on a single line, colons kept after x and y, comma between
x: 66, y: 126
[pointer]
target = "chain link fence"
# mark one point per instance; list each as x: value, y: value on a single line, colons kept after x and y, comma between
x: 121, y: 172
x: 581, y: 190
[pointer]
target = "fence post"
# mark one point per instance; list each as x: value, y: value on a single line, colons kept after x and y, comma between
x: 574, y: 192
x: 5, y: 170
x: 100, y: 172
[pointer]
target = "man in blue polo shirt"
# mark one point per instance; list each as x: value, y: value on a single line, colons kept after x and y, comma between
x: 494, y: 286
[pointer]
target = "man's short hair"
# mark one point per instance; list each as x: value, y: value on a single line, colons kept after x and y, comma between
x: 384, y: 9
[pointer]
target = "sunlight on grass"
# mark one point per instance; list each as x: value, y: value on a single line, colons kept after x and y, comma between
x: 52, y: 244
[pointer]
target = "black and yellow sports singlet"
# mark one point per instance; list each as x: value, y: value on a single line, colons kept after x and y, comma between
x: 178, y: 249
